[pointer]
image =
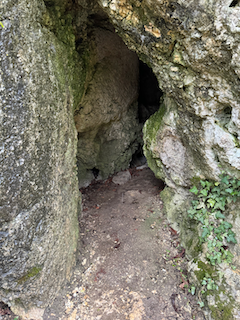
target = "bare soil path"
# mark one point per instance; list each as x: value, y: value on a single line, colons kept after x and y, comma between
x: 131, y: 265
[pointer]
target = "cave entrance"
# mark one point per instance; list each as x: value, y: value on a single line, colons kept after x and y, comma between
x: 104, y: 146
x: 121, y: 93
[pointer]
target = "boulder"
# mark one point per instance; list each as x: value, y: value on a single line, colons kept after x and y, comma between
x: 39, y: 200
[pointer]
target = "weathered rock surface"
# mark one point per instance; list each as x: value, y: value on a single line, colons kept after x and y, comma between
x: 107, y: 117
x: 39, y: 188
x: 193, y: 49
x: 58, y: 57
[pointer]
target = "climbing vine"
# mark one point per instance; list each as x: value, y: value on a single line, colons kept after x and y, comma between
x: 209, y: 211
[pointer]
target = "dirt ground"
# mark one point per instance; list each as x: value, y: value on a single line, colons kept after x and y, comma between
x: 130, y: 263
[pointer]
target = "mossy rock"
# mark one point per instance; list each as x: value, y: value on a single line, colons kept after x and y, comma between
x: 150, y: 131
x: 33, y: 272
x: 221, y: 311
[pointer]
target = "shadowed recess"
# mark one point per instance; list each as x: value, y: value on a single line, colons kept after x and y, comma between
x: 234, y: 3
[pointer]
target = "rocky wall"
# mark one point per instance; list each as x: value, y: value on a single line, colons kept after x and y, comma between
x: 193, y: 49
x: 39, y: 188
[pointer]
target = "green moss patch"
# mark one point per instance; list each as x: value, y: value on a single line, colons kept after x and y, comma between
x: 150, y: 131
x: 70, y: 66
x: 153, y: 124
x: 222, y: 311
x: 204, y: 268
x: 34, y: 271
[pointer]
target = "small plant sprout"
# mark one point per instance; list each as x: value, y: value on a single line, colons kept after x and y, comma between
x: 192, y: 290
x: 201, y: 304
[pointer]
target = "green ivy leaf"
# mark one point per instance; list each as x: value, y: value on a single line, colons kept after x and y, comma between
x: 205, y: 232
x: 225, y: 180
x: 209, y: 185
x: 216, y: 190
x: 231, y: 238
x: 219, y: 244
x: 219, y: 258
x: 211, y: 202
x: 195, y: 203
x: 227, y: 225
x: 204, y: 192
x: 194, y: 190
x: 220, y: 238
x: 229, y: 190
x: 228, y: 256
x: 192, y: 211
x: 203, y: 183
x: 220, y: 205
x: 219, y: 215
x: 201, y: 219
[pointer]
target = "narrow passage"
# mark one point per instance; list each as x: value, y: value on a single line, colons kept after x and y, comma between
x: 132, y: 265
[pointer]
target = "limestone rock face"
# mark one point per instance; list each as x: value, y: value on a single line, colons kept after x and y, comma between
x: 193, y: 49
x: 39, y: 195
x: 107, y: 117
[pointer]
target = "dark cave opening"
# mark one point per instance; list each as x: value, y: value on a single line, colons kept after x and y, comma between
x: 149, y: 100
x: 149, y: 92
x: 234, y: 3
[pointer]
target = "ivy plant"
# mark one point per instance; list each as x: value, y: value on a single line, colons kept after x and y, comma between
x: 208, y: 209
x: 208, y: 283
